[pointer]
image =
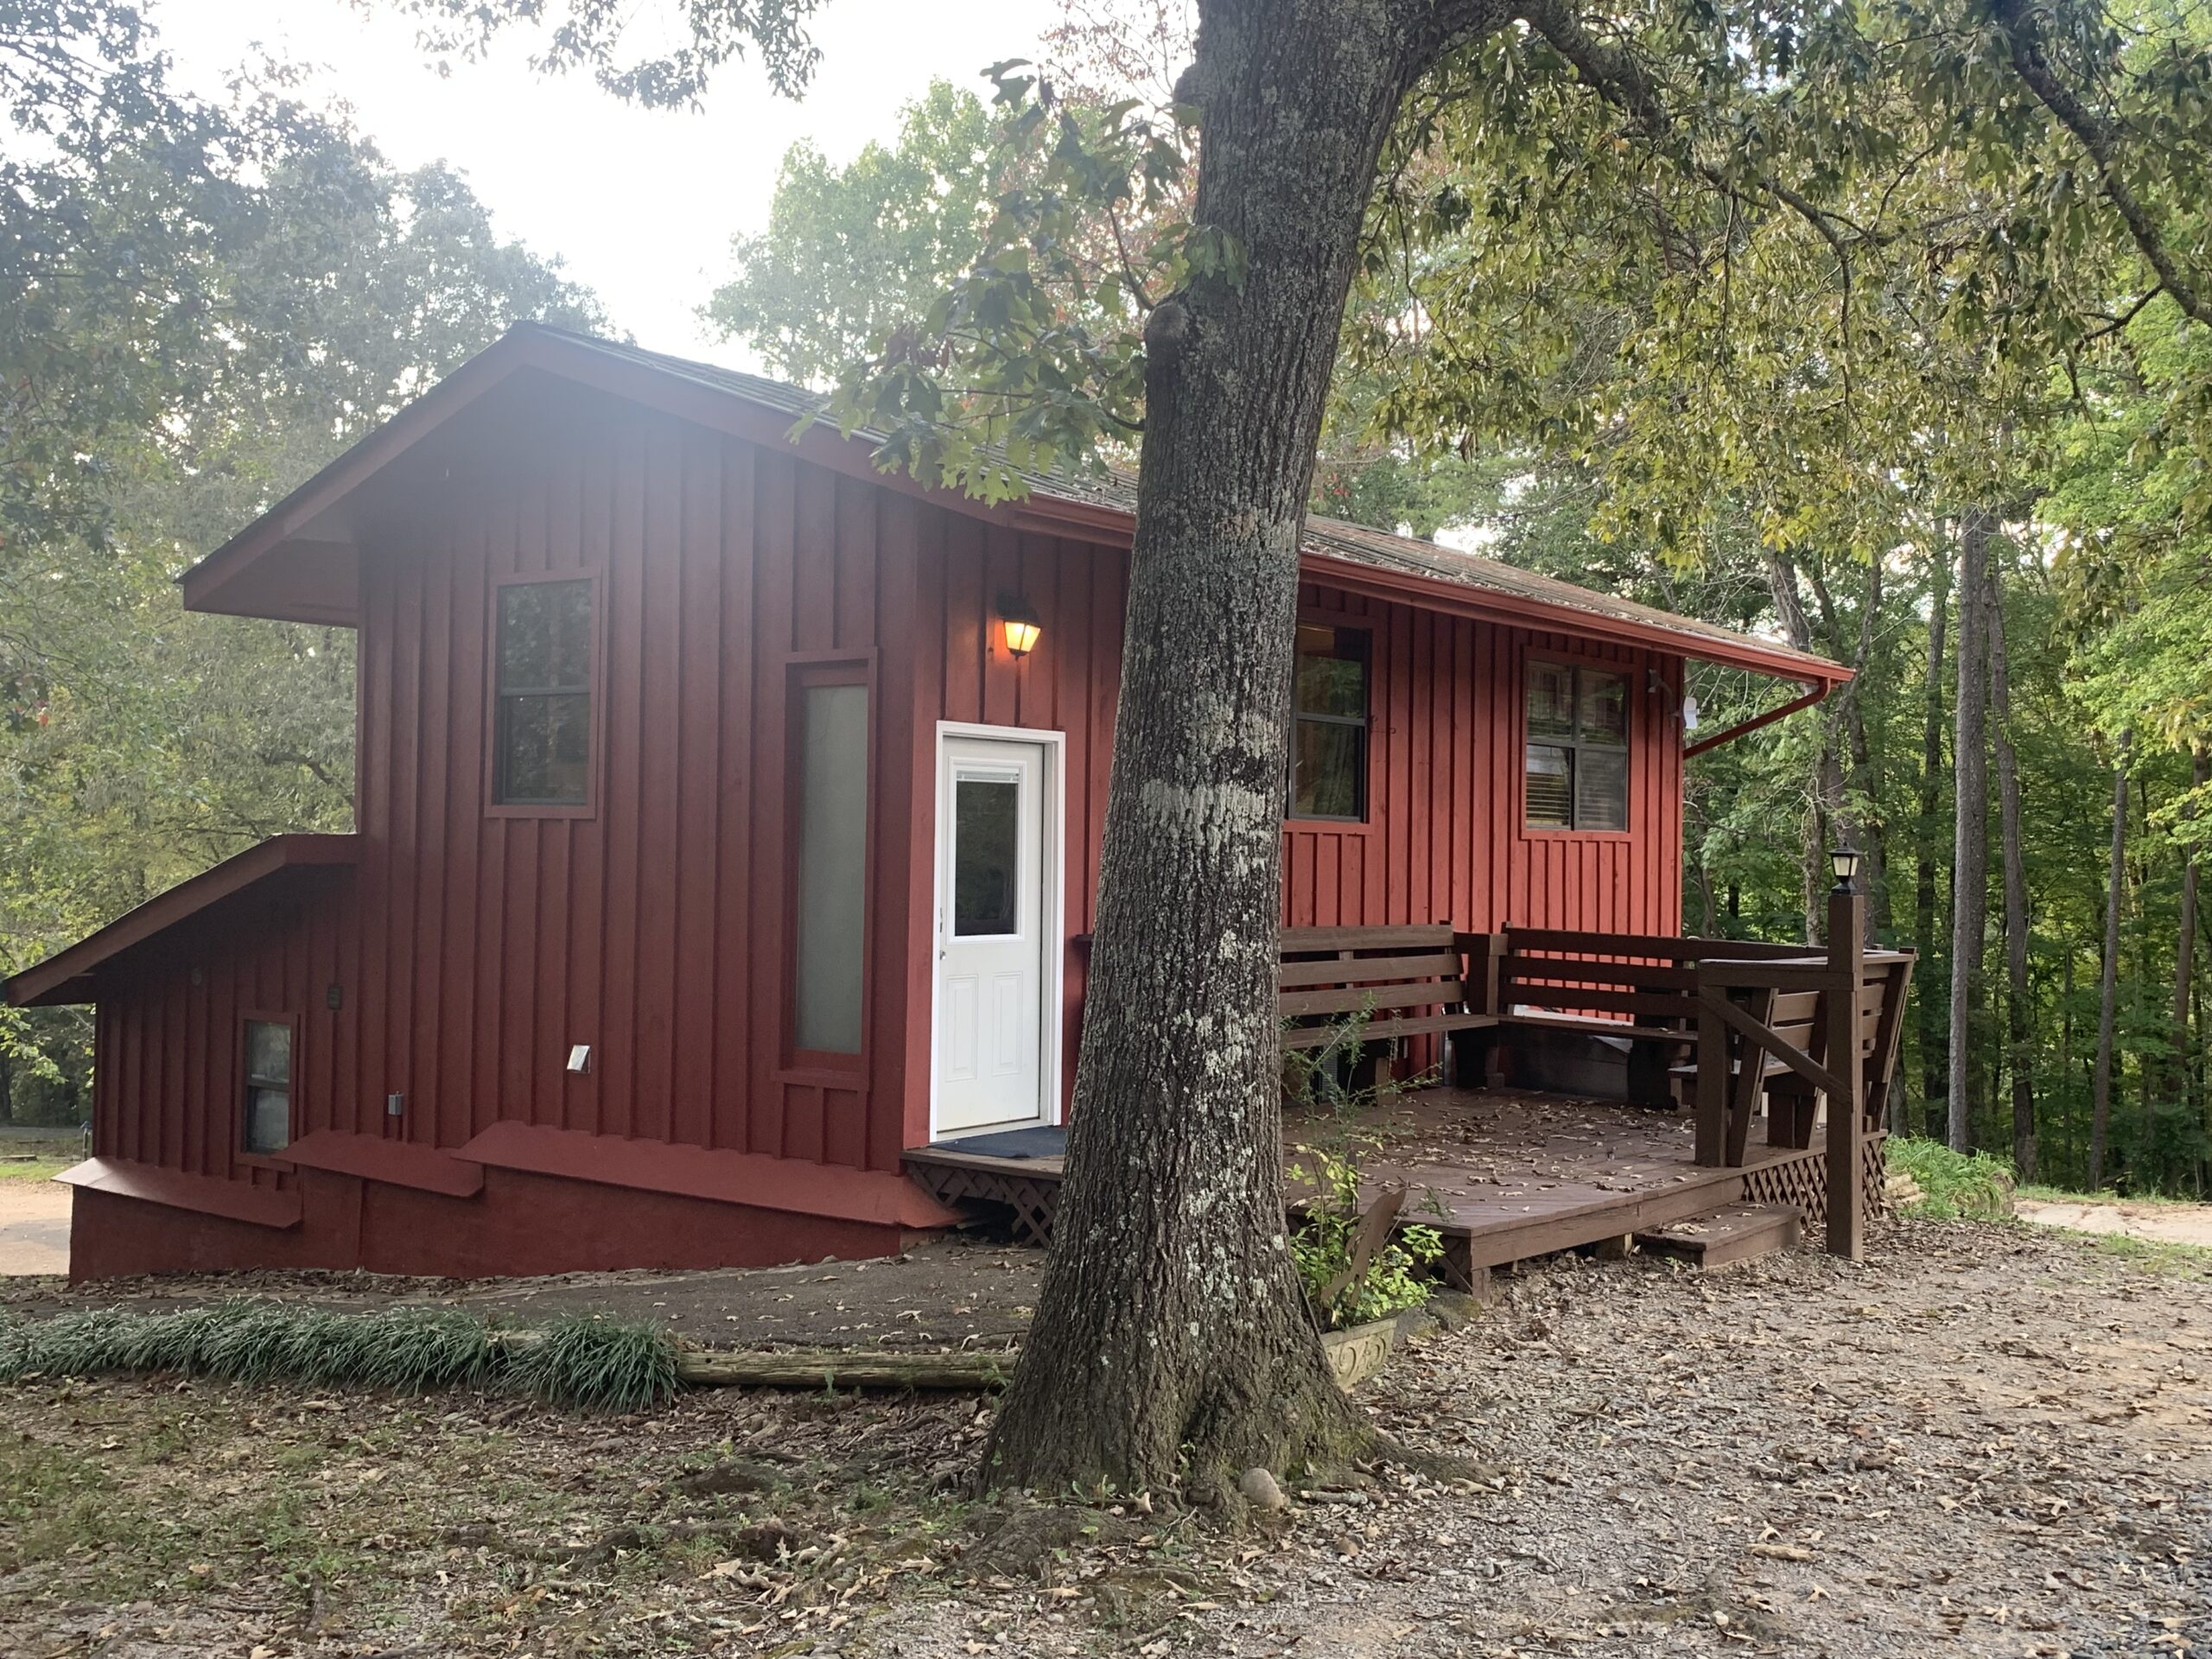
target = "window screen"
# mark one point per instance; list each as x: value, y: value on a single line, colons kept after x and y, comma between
x: 542, y: 741
x: 1577, y: 758
x: 830, y: 912
x: 1328, y: 735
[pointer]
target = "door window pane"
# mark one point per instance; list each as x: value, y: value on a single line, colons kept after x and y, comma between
x: 986, y: 856
x: 831, y: 910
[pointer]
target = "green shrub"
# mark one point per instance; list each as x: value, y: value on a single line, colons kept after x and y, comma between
x: 1952, y: 1184
x: 588, y: 1365
x: 1321, y: 1246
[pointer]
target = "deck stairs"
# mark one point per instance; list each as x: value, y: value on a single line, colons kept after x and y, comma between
x: 1734, y: 1232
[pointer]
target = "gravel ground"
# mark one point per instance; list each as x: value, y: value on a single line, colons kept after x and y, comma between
x: 1985, y: 1440
x: 33, y: 1227
x: 1989, y: 1439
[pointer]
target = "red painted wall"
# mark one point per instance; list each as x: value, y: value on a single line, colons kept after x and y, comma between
x: 1445, y: 838
x: 471, y: 948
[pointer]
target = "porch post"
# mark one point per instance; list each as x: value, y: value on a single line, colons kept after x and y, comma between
x: 1712, y: 1076
x: 1846, y: 1114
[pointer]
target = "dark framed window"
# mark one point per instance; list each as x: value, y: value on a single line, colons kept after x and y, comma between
x: 828, y: 820
x: 1577, y: 772
x: 267, y: 1121
x: 540, y: 746
x: 1328, y: 731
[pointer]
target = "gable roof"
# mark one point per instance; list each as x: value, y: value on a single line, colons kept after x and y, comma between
x: 293, y: 562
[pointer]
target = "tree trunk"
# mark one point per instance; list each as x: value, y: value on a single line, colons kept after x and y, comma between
x: 1970, y: 823
x: 1928, y: 844
x: 1826, y: 793
x: 2108, y: 988
x: 2185, y: 944
x: 2019, y: 1047
x: 1172, y: 1334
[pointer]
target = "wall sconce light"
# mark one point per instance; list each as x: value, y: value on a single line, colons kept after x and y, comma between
x: 1845, y: 862
x: 1018, y: 617
x: 1686, y: 705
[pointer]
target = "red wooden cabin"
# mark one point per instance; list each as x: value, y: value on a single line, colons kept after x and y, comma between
x: 713, y: 849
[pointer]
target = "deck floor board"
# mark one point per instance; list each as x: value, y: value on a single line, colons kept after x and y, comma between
x: 1504, y: 1173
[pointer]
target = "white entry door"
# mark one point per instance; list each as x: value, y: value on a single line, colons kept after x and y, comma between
x: 994, y: 914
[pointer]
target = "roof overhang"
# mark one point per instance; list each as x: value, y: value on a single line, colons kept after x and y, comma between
x: 298, y: 562
x: 1436, y: 593
x: 71, y: 976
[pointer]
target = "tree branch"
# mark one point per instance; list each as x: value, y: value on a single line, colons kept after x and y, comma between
x: 2024, y: 46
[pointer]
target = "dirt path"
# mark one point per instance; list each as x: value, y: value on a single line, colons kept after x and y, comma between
x: 33, y: 1227
x: 2175, y: 1223
x: 1989, y: 1440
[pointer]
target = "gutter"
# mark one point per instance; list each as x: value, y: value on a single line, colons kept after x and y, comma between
x: 1746, y: 727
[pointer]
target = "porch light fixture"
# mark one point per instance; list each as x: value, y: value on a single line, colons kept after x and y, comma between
x: 1845, y: 862
x: 1018, y: 617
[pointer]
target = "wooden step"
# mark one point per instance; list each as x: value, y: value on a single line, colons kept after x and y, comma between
x: 1734, y: 1232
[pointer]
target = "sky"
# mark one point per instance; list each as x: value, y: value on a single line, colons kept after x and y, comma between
x: 640, y: 205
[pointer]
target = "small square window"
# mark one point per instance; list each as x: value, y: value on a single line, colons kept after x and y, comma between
x: 268, y: 1114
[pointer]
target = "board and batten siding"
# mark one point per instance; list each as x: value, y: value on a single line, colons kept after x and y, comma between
x: 1446, y: 837
x: 471, y: 947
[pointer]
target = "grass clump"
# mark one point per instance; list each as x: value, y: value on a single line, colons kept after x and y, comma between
x: 596, y: 1365
x: 1953, y: 1185
x: 585, y: 1364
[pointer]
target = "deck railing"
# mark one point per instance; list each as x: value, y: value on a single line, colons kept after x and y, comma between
x: 1794, y: 1031
x: 1759, y: 1022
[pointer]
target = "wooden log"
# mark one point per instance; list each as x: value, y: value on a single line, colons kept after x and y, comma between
x: 1354, y: 1355
x: 727, y: 1367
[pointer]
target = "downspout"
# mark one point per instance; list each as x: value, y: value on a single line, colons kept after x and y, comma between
x: 1744, y: 728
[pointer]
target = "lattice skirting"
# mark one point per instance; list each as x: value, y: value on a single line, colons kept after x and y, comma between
x: 1031, y: 1200
x: 1802, y: 1182
x: 1799, y: 1183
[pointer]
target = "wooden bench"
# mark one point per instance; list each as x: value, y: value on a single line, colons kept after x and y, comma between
x: 1635, y: 991
x: 1410, y: 981
x: 1800, y: 1019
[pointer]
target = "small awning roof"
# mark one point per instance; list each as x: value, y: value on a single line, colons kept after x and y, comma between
x: 71, y: 976
x: 298, y: 561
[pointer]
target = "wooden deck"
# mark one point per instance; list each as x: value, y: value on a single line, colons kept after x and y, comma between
x: 1514, y: 1174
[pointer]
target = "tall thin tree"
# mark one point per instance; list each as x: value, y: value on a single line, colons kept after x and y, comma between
x: 2109, y: 987
x: 2020, y: 1014
x: 1929, y: 842
x: 1970, y: 821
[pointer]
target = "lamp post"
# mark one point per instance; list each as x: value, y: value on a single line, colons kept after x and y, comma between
x: 1846, y: 978
x: 1845, y: 862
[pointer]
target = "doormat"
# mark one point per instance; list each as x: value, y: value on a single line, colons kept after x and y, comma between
x: 1045, y: 1141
